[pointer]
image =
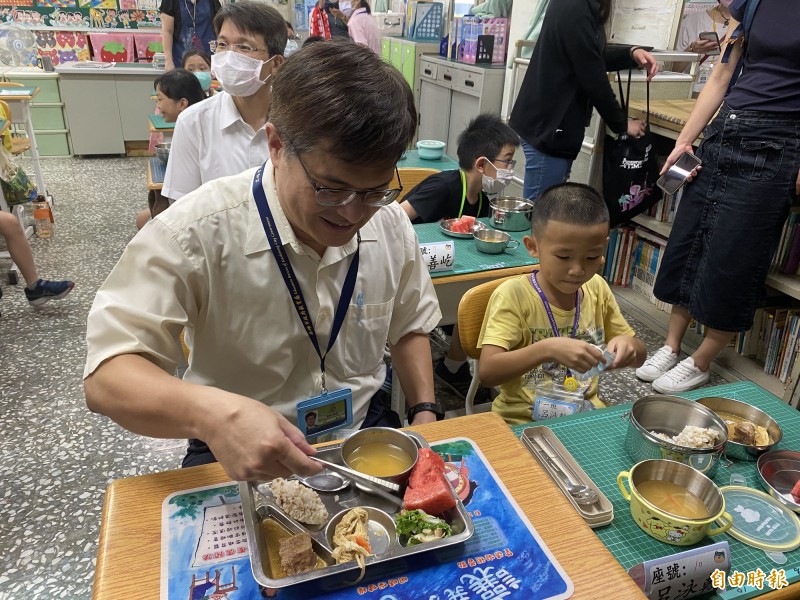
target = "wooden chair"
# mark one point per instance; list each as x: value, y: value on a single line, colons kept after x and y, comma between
x: 471, y: 310
x: 411, y: 177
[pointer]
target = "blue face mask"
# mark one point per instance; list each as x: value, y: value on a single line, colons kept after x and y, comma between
x: 291, y: 48
x: 205, y: 79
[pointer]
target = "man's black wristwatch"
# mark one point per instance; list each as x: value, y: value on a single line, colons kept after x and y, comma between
x: 435, y: 408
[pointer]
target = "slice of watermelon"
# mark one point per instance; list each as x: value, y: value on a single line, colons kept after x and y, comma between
x: 796, y: 492
x: 428, y: 488
x: 467, y: 220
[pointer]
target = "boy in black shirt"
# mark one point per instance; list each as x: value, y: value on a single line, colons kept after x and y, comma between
x: 485, y: 159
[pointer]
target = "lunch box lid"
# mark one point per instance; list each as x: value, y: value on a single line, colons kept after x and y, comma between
x: 759, y: 520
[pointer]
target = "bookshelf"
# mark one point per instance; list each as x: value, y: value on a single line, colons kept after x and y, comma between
x: 729, y: 364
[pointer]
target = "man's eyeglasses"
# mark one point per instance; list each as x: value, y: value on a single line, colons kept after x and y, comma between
x: 339, y: 197
x: 240, y: 48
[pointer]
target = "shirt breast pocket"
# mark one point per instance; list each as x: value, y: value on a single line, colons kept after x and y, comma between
x: 366, y: 335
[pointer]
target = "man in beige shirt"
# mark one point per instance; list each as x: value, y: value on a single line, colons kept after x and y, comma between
x: 208, y: 266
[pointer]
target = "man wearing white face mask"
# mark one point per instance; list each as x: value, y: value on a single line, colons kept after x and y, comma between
x: 225, y: 134
x: 485, y: 157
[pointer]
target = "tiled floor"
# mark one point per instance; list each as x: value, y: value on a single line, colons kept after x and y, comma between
x: 56, y: 458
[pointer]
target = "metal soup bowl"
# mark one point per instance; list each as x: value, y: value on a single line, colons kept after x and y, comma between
x: 779, y: 471
x: 382, y: 435
x: 162, y: 151
x: 662, y: 525
x: 737, y: 450
x: 669, y: 415
x: 491, y: 241
x: 511, y: 214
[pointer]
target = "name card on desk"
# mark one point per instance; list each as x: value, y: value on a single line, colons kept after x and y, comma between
x: 683, y: 575
x: 438, y: 256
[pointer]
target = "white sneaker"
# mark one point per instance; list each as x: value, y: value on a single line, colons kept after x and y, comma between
x: 658, y: 364
x: 682, y: 378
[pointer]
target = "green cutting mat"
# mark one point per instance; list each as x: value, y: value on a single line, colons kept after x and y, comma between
x: 596, y: 440
x: 468, y: 259
x: 159, y: 122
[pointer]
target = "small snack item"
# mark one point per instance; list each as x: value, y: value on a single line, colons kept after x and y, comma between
x: 299, y: 502
x: 463, y: 224
x: 350, y: 539
x: 692, y: 437
x: 296, y: 554
x: 420, y: 527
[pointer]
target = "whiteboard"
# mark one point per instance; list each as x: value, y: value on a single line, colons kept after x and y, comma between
x: 646, y: 22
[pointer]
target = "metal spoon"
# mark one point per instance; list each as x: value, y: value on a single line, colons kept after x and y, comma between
x: 582, y: 494
x: 374, y: 485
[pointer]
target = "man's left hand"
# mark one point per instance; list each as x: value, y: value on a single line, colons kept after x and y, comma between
x: 646, y: 60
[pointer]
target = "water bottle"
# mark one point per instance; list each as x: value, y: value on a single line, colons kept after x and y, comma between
x: 42, y: 217
x: 605, y: 362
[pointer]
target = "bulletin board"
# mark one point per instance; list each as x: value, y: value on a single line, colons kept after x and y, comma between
x: 82, y: 14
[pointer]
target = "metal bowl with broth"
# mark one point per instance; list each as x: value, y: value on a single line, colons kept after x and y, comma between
x: 669, y: 415
x: 491, y: 241
x: 511, y: 214
x: 733, y: 412
x: 381, y: 452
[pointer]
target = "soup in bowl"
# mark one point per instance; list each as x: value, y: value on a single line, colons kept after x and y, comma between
x: 381, y: 452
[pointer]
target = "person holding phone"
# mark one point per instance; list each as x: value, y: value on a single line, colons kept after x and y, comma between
x: 703, y: 32
x: 730, y: 218
x: 567, y: 77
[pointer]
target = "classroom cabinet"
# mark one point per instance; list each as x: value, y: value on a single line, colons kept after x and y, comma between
x: 452, y: 94
x: 107, y: 107
x: 406, y: 55
x: 47, y: 110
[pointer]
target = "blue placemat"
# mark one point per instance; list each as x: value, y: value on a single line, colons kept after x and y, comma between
x: 468, y: 259
x: 203, y: 535
x: 596, y: 441
x: 158, y: 169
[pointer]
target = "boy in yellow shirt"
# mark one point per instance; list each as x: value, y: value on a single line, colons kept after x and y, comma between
x: 541, y: 328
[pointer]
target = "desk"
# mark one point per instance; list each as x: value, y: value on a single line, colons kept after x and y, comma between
x: 157, y: 124
x: 129, y: 558
x: 411, y: 160
x: 471, y: 267
x: 596, y: 441
x: 19, y: 102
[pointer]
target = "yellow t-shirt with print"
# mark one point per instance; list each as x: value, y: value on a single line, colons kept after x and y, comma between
x: 516, y: 317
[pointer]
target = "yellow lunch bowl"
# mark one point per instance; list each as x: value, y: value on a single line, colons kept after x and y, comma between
x: 664, y: 526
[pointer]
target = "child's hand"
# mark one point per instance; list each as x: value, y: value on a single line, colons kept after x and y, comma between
x: 576, y: 355
x: 627, y: 350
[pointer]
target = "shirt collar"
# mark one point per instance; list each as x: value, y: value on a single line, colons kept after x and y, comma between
x: 257, y: 238
x: 358, y: 11
x: 228, y: 114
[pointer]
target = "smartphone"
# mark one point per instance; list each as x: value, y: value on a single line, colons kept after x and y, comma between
x: 711, y: 36
x: 676, y: 175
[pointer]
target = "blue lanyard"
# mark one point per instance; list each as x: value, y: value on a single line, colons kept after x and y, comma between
x: 290, y: 279
x: 547, y: 308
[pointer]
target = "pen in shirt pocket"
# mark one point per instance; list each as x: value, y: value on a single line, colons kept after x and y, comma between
x: 360, y: 307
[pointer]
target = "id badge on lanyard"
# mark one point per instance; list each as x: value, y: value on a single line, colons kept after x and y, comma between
x: 327, y: 411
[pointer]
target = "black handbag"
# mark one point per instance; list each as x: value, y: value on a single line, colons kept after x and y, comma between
x: 630, y: 168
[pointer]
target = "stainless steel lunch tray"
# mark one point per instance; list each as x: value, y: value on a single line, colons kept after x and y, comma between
x: 257, y: 505
x: 596, y: 515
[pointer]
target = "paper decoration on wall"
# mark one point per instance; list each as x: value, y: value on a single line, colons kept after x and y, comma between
x: 147, y: 4
x: 16, y: 2
x: 108, y: 4
x: 127, y: 5
x: 63, y: 46
x: 57, y: 3
x: 84, y: 3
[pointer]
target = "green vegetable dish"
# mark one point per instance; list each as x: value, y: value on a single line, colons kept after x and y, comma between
x: 416, y: 527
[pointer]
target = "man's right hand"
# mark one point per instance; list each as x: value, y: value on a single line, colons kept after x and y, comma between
x: 701, y: 46
x: 636, y: 128
x: 679, y: 150
x: 254, y: 442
